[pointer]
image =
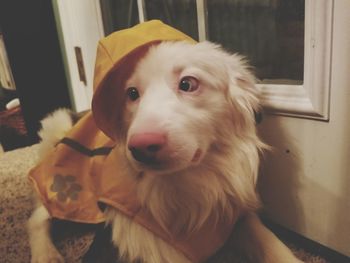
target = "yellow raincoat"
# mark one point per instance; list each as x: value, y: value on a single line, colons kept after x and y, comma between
x: 85, y: 168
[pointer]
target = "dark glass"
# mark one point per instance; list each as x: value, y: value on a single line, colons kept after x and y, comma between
x: 118, y: 14
x: 270, y: 33
x: 181, y: 14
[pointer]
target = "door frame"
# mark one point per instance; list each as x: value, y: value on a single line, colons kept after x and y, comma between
x: 78, y: 57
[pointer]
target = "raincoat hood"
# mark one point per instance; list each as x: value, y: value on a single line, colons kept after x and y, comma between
x: 118, y: 53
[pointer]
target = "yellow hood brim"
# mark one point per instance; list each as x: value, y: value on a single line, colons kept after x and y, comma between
x: 119, y: 53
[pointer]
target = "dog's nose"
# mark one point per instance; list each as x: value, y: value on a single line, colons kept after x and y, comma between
x: 144, y: 146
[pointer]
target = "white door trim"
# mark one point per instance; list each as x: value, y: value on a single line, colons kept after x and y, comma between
x: 73, y: 19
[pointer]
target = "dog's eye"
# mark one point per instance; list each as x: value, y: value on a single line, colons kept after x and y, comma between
x: 132, y: 93
x: 188, y: 84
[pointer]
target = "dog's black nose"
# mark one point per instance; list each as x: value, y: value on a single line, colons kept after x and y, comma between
x: 145, y: 146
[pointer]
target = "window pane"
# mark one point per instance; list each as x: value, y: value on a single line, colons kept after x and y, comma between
x: 269, y: 32
x: 118, y: 14
x: 181, y: 14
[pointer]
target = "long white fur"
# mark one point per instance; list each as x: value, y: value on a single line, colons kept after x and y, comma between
x: 53, y: 128
x: 219, y: 120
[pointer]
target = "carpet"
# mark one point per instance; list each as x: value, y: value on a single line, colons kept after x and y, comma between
x: 16, y: 206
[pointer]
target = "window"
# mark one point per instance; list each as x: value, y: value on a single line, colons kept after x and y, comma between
x: 288, y: 43
x: 269, y: 33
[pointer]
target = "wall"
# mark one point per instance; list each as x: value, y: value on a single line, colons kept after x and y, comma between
x: 306, y: 178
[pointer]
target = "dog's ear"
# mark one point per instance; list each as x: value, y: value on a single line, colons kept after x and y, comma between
x: 243, y: 96
x: 242, y: 93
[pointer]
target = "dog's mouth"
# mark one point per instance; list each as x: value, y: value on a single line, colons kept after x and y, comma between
x: 156, y: 162
x: 197, y: 155
x: 144, y: 158
x: 147, y: 160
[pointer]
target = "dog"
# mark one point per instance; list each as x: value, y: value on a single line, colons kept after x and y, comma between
x: 187, y: 137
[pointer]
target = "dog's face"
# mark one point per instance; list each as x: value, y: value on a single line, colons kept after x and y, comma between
x: 182, y: 100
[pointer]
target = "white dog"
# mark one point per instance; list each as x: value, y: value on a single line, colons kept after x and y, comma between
x: 188, y: 124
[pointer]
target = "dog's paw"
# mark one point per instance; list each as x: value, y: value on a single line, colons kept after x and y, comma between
x: 47, y: 256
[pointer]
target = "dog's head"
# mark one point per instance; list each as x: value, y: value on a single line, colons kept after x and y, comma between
x: 180, y: 102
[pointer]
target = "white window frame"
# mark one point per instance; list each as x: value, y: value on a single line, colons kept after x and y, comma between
x: 310, y: 100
